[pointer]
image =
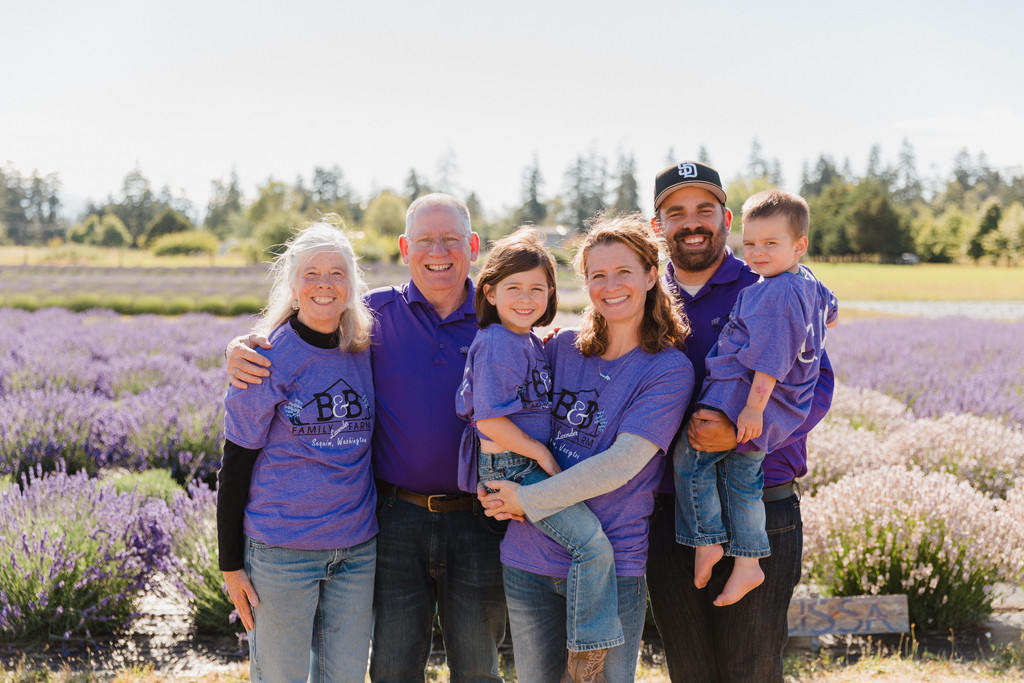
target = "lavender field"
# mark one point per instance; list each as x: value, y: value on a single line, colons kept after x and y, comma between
x: 948, y: 365
x: 916, y: 480
x: 917, y: 472
x: 98, y: 390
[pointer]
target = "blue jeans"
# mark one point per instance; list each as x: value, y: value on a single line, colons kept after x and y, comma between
x: 718, y: 499
x: 444, y: 563
x: 313, y: 620
x: 740, y: 642
x: 592, y: 620
x: 536, y: 611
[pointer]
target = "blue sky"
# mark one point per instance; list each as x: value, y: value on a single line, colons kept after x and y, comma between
x: 191, y: 89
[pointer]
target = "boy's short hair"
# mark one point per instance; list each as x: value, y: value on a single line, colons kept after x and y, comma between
x: 775, y: 203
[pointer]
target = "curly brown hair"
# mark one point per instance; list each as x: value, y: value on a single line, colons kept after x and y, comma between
x: 519, y: 252
x: 663, y: 325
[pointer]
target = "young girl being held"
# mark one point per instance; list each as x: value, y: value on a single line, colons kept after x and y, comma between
x: 506, y: 397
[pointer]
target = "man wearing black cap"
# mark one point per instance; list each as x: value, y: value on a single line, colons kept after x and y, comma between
x: 743, y: 641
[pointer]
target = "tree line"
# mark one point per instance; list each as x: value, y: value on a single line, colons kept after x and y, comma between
x: 886, y: 213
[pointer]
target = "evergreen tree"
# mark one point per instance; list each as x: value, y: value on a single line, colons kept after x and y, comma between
x: 532, y: 210
x: 326, y: 186
x: 758, y: 166
x: 415, y: 186
x: 875, y: 227
x: 988, y: 222
x: 829, y: 230
x: 13, y: 201
x: 703, y: 157
x: 477, y: 220
x: 963, y: 173
x: 908, y: 184
x: 823, y: 175
x: 137, y: 206
x: 627, y: 198
x: 225, y: 202
x: 585, y: 195
x: 878, y: 172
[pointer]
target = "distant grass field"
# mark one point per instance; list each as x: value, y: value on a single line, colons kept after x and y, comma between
x: 925, y: 282
x: 100, y: 257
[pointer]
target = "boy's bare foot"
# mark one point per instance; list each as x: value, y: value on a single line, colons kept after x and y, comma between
x: 707, y: 556
x: 746, y: 576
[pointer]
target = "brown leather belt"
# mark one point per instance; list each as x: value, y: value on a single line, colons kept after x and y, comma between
x: 780, y: 492
x: 438, y: 502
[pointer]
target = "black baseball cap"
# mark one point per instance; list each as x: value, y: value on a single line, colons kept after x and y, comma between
x: 687, y: 173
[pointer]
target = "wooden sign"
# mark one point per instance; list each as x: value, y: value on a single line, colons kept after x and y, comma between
x: 855, y: 614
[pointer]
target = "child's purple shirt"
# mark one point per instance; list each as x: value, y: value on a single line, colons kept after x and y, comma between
x: 777, y: 327
x: 506, y: 375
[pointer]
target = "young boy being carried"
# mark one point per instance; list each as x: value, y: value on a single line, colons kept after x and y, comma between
x: 761, y: 375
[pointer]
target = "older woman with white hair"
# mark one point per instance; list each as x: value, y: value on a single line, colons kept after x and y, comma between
x: 296, y: 499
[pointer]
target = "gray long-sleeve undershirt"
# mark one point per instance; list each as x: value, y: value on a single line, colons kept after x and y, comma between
x: 596, y: 475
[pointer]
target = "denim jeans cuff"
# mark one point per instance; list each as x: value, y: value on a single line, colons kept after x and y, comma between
x: 717, y: 539
x: 739, y: 552
x: 614, y: 642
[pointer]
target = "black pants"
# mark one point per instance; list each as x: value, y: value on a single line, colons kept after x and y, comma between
x: 740, y: 642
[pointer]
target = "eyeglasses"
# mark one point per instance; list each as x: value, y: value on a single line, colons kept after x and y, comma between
x: 448, y: 242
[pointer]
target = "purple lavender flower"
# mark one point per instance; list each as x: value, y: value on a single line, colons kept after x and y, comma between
x: 80, y: 554
x: 948, y: 365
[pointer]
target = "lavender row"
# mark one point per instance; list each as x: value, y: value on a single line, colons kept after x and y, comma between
x: 78, y: 554
x: 929, y: 507
x: 949, y: 365
x: 866, y: 430
x: 98, y: 390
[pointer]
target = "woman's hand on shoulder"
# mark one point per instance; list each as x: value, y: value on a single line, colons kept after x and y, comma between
x: 245, y: 365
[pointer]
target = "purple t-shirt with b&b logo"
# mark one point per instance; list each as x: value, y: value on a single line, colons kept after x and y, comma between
x: 312, y: 484
x: 592, y: 402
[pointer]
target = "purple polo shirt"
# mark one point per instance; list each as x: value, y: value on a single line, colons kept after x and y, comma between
x: 592, y: 402
x: 418, y: 360
x: 708, y: 312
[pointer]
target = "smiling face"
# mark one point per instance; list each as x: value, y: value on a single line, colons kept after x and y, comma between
x: 322, y: 289
x: 695, y: 225
x: 769, y: 247
x: 618, y: 283
x: 521, y: 299
x: 438, y: 251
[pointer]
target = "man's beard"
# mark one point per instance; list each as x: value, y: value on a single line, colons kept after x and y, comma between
x: 693, y: 261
